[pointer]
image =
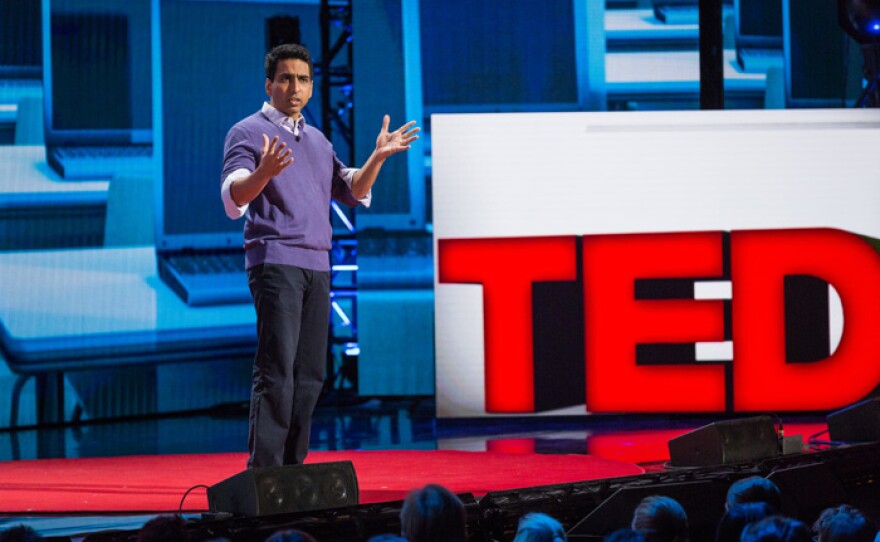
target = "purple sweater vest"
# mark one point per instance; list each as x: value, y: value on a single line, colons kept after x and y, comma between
x: 289, y: 222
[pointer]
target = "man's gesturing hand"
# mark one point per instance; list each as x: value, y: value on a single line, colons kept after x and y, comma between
x: 389, y: 143
x: 274, y: 157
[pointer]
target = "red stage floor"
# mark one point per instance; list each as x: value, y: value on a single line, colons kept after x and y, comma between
x: 157, y: 483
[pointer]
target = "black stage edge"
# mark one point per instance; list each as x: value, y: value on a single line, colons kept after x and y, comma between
x: 809, y: 482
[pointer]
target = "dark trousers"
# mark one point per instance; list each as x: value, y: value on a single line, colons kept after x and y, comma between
x: 293, y: 314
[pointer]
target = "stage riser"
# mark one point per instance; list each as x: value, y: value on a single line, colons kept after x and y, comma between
x: 851, y: 473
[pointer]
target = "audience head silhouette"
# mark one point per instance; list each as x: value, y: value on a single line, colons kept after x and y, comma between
x: 661, y: 519
x: 755, y: 489
x: 291, y: 535
x: 843, y: 523
x: 20, y: 533
x: 433, y: 514
x: 538, y: 527
x: 386, y: 537
x: 624, y: 535
x: 735, y: 519
x: 162, y: 529
x: 776, y: 529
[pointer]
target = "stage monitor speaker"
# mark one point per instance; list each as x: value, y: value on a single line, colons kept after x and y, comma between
x: 291, y: 488
x: 725, y: 443
x: 702, y: 500
x: 857, y: 423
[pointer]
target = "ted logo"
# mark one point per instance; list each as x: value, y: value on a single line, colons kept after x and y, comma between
x: 635, y: 320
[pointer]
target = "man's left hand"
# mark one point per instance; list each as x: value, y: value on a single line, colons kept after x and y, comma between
x: 389, y: 143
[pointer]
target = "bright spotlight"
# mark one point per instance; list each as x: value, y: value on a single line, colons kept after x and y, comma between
x: 860, y: 19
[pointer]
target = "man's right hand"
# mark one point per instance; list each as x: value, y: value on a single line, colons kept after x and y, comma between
x: 274, y: 158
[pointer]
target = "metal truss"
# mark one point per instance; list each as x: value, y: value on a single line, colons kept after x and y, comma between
x: 335, y: 73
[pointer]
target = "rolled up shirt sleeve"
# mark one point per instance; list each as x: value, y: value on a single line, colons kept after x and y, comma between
x: 347, y: 175
x: 234, y: 211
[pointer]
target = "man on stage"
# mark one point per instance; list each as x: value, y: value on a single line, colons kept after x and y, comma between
x: 281, y: 173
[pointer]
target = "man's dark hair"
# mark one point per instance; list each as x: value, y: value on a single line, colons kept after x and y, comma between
x: 843, y: 523
x: 755, y: 489
x: 283, y: 52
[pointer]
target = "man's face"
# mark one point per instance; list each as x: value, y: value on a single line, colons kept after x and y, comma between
x: 290, y: 90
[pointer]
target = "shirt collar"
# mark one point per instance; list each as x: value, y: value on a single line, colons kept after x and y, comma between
x: 278, y: 118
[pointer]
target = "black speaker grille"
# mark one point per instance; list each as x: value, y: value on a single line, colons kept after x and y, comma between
x: 293, y: 488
